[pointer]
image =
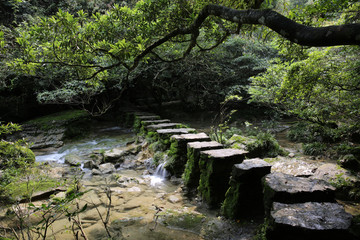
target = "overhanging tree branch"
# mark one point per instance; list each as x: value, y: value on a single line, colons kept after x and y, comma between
x: 348, y: 34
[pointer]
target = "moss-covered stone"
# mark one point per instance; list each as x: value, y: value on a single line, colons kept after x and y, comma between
x: 215, y: 169
x: 189, y: 221
x: 178, y: 151
x: 54, y: 120
x: 191, y: 174
x: 244, y: 197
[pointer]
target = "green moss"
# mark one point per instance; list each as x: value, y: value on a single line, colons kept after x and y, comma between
x: 47, y: 122
x: 230, y: 206
x: 206, y: 169
x: 25, y: 189
x: 184, y: 220
x: 152, y: 137
x: 192, y: 173
x: 137, y: 124
x: 159, y: 157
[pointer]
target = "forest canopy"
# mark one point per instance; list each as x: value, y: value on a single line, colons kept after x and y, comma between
x: 88, y: 53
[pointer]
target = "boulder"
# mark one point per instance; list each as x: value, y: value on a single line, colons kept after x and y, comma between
x: 73, y: 160
x: 114, y: 155
x: 285, y: 188
x: 107, y: 168
x: 310, y: 220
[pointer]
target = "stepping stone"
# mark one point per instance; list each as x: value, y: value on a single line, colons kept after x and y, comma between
x: 167, y: 133
x: 148, y: 117
x: 150, y: 122
x: 215, y: 170
x: 163, y: 135
x: 245, y: 197
x: 191, y: 174
x: 310, y: 220
x: 139, y: 119
x: 155, y: 127
x: 285, y: 188
x: 178, y: 151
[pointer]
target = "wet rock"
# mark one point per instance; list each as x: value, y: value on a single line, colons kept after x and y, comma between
x: 96, y: 172
x: 73, y: 160
x: 114, y: 155
x: 40, y: 138
x: 285, y: 188
x: 105, y: 168
x: 43, y: 195
x: 174, y: 199
x: 134, y: 189
x: 296, y: 167
x: 245, y: 197
x: 176, y: 181
x: 310, y: 220
x: 215, y: 170
x: 331, y: 171
x: 90, y: 164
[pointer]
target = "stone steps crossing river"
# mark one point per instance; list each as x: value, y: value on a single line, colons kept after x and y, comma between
x: 295, y: 207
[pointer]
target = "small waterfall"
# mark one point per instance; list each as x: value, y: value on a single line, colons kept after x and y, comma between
x: 161, y: 171
x: 160, y: 174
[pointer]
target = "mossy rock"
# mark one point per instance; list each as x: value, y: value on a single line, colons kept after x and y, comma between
x: 54, y: 120
x: 184, y: 220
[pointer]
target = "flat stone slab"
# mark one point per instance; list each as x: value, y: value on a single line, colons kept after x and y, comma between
x: 224, y: 153
x: 204, y: 145
x: 310, y: 220
x: 154, y: 127
x: 151, y: 122
x: 285, y: 188
x: 148, y: 117
x: 191, y: 137
x: 143, y: 114
x: 252, y: 168
x: 174, y: 131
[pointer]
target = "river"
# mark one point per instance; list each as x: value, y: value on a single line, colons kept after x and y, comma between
x: 143, y: 205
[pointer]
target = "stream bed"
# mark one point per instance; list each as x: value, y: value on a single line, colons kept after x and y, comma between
x: 144, y: 205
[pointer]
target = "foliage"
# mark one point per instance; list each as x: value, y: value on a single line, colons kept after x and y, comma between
x: 14, y: 155
x: 322, y: 88
x: 309, y: 132
x: 222, y: 120
x: 227, y: 69
x: 9, y: 128
x: 265, y: 145
x: 314, y: 149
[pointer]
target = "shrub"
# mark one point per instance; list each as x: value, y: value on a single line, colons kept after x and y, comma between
x: 315, y: 149
x: 265, y: 145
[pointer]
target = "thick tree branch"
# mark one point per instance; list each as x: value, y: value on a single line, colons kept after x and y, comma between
x: 348, y: 34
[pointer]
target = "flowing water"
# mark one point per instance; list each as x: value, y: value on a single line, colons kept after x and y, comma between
x: 143, y: 205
